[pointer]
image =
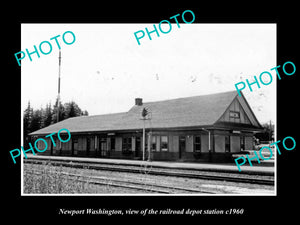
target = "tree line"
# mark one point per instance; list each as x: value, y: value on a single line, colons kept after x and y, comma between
x: 35, y: 119
x: 267, y: 135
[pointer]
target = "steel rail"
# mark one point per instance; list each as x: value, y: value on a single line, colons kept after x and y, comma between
x: 156, y: 171
x: 149, y: 187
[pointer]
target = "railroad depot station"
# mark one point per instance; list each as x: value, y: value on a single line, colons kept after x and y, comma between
x: 207, y: 128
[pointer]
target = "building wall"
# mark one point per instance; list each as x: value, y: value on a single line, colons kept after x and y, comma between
x: 92, y: 151
x: 217, y: 146
x: 174, y: 143
x: 118, y: 144
x: 204, y: 142
x: 219, y: 143
x: 235, y: 143
x: 133, y: 143
x: 41, y: 146
x: 235, y: 107
x: 249, y: 143
x: 66, y: 148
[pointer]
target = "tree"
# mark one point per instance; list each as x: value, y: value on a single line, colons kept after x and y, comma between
x: 40, y: 118
x: 267, y: 134
x: 27, y: 118
x: 61, y: 112
x: 36, y: 119
x: 71, y: 110
x: 84, y: 113
x: 36, y: 122
x: 47, y: 115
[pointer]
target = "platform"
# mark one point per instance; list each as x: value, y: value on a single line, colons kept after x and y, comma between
x: 221, y: 167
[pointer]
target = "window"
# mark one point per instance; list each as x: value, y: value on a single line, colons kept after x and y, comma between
x: 153, y: 143
x: 164, y: 143
x: 126, y: 144
x: 234, y: 114
x: 197, y: 143
x: 75, y: 143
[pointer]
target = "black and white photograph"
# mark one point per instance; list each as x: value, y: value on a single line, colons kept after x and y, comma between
x: 139, y: 112
x: 162, y: 117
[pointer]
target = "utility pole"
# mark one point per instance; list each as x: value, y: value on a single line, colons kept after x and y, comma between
x: 149, y: 145
x: 145, y: 112
x: 58, y: 96
x: 270, y: 132
x: 144, y: 141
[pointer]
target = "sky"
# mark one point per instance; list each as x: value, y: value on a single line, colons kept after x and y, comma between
x: 105, y: 69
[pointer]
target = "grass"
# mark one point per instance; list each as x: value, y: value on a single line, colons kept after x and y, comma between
x: 49, y: 179
x: 46, y: 179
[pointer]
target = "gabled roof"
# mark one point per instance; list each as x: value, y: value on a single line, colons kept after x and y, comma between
x: 194, y: 111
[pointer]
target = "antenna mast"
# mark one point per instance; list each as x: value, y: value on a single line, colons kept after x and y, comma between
x: 58, y: 96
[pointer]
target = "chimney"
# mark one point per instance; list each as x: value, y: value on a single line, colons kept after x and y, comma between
x: 139, y: 101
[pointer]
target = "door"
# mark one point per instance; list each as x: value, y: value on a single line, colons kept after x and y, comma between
x: 74, y: 146
x: 227, y: 143
x: 181, y: 145
x: 103, y: 147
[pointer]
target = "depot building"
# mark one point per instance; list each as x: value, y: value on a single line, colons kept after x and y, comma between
x: 200, y: 128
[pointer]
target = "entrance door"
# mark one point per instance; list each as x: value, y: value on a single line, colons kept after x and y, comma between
x: 181, y: 145
x: 227, y: 143
x: 103, y: 147
x: 74, y: 146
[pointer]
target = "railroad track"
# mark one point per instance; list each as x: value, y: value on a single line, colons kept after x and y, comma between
x: 145, y: 168
x: 135, y: 185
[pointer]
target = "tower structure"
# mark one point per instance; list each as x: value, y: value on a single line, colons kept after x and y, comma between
x: 58, y: 95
